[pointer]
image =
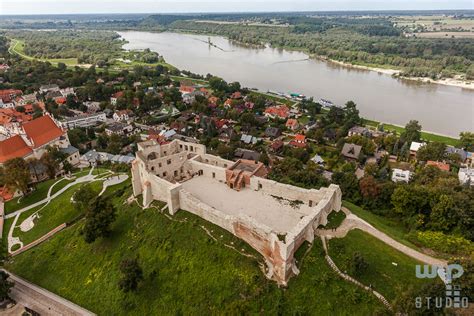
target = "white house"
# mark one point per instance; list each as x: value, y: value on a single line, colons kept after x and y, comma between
x: 399, y: 175
x: 466, y: 175
x: 415, y: 146
x: 122, y: 115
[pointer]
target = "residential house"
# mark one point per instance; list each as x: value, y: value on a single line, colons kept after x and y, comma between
x: 277, y: 145
x: 317, y: 159
x: 92, y: 106
x: 236, y: 95
x: 248, y: 139
x: 450, y: 150
x: 123, y: 115
x: 272, y: 132
x: 414, y: 147
x: 8, y: 96
x: 48, y: 88
x: 280, y: 111
x: 351, y: 152
x: 466, y: 176
x: 399, y: 175
x: 292, y: 124
x: 298, y: 141
x: 92, y: 158
x: 67, y: 91
x: 84, y: 120
x: 440, y: 165
x: 359, y: 130
x: 119, y: 128
x: 72, y: 154
x: 115, y: 97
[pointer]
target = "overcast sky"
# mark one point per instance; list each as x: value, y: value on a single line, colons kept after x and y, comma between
x: 170, y: 6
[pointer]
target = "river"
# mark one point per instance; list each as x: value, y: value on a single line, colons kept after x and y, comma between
x: 440, y: 109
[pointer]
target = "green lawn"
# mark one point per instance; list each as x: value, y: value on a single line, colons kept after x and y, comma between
x: 186, y: 271
x: 35, y: 196
x: 60, y: 185
x: 385, y: 277
x: 334, y: 220
x: 424, y: 135
x: 389, y: 226
x: 60, y: 210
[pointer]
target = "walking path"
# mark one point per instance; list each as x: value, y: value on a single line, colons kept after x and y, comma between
x: 29, y: 222
x: 354, y: 222
x: 43, y: 301
x: 351, y: 279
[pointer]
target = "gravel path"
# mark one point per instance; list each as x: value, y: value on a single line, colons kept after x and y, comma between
x: 354, y: 222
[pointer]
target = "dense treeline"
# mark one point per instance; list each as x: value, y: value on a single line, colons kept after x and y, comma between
x: 415, y: 56
x: 87, y: 46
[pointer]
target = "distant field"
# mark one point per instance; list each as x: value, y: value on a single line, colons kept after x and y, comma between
x: 446, y: 34
x: 436, y: 23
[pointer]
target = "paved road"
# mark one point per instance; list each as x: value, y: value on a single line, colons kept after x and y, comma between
x: 43, y: 301
x: 354, y: 222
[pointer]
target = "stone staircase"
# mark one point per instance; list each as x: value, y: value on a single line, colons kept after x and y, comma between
x: 351, y: 279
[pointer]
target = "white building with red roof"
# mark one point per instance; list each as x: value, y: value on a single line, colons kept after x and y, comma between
x: 33, y: 138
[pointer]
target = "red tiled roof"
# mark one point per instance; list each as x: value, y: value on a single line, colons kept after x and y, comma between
x: 42, y: 130
x: 186, y: 89
x: 236, y: 95
x: 291, y: 122
x: 61, y: 100
x: 280, y: 111
x: 7, y: 95
x: 8, y: 115
x: 13, y: 147
x: 6, y: 194
x: 440, y: 165
x: 118, y: 95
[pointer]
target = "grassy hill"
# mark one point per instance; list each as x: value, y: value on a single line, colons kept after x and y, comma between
x: 190, y: 267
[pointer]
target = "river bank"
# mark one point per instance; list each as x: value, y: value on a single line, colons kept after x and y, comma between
x: 454, y: 82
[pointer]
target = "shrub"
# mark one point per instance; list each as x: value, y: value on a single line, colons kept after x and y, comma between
x: 439, y: 241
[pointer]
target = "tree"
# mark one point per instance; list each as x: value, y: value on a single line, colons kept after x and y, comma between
x: 412, y: 132
x: 5, y: 285
x: 52, y: 159
x: 99, y: 216
x: 16, y: 175
x: 467, y: 140
x: 432, y: 151
x: 443, y: 216
x: 84, y: 197
x: 358, y: 264
x: 132, y: 274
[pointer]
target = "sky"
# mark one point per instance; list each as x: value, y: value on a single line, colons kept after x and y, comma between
x: 192, y: 6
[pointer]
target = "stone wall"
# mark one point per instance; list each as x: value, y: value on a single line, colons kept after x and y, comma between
x: 258, y: 236
x: 278, y: 251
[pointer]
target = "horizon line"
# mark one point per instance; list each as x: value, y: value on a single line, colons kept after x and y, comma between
x: 239, y: 12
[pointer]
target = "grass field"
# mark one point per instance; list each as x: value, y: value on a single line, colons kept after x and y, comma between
x: 186, y: 271
x: 385, y: 277
x: 35, y: 196
x: 60, y: 210
x: 390, y: 227
x: 18, y: 47
x: 424, y: 135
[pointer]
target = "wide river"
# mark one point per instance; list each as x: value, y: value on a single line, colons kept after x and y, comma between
x: 441, y: 109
